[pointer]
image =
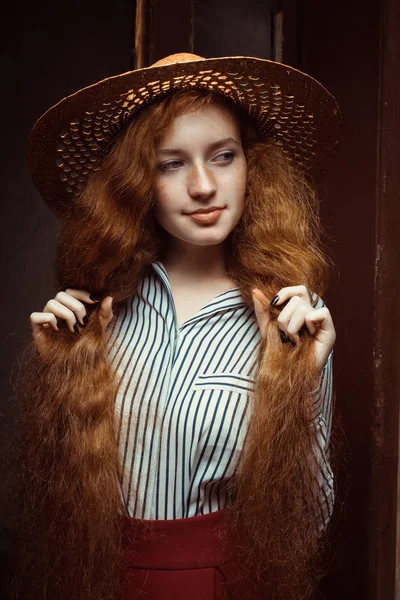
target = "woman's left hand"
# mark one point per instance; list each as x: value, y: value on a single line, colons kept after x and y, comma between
x: 297, y: 313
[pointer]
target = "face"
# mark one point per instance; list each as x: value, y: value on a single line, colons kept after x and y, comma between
x: 201, y: 177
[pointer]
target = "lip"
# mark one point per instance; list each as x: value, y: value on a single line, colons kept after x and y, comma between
x: 206, y: 210
x: 209, y: 216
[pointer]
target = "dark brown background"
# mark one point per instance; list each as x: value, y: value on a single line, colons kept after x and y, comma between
x: 51, y: 50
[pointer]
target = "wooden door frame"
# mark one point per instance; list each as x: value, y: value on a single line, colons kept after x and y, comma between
x: 381, y: 558
x: 384, y: 515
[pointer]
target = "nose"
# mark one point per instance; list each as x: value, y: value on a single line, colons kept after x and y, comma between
x: 201, y: 182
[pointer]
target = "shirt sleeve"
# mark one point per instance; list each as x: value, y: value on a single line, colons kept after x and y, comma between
x: 323, y: 422
x: 322, y: 409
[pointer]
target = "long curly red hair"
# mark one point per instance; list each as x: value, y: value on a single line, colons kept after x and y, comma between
x: 67, y: 501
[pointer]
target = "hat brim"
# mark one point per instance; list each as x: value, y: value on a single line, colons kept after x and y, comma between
x: 288, y: 106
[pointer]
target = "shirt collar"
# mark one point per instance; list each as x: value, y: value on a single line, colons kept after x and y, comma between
x: 229, y: 300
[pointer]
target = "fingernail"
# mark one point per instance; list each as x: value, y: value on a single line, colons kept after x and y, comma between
x: 274, y: 300
x: 284, y: 337
x: 76, y: 328
x: 92, y: 298
x: 84, y: 321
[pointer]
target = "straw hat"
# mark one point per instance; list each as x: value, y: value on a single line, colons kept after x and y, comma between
x: 288, y: 106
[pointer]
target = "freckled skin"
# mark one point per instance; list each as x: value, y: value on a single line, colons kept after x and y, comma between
x: 199, y: 174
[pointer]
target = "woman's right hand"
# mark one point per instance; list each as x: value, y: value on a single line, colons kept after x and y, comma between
x: 70, y: 307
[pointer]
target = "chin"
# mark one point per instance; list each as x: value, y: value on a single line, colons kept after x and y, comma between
x: 208, y: 238
x: 209, y: 242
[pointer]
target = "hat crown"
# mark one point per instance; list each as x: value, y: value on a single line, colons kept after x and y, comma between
x: 177, y: 58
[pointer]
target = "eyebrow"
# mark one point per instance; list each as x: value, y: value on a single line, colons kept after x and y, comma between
x: 211, y: 147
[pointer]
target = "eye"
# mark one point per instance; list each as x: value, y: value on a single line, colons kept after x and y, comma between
x: 224, y: 157
x: 171, y: 165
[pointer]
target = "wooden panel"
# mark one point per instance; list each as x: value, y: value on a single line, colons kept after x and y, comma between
x: 345, y: 58
x: 49, y: 51
x: 172, y: 28
x: 233, y: 27
x: 162, y: 28
x: 385, y: 582
x: 354, y: 53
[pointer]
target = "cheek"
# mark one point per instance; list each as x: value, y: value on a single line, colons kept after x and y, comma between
x: 164, y: 204
x: 239, y: 185
x: 243, y: 181
x: 243, y: 175
x: 161, y: 198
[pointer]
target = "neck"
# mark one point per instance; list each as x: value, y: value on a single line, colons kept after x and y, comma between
x: 192, y: 262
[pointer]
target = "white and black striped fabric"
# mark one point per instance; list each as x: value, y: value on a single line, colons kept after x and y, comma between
x: 184, y: 401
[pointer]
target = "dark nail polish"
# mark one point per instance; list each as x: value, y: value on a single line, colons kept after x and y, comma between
x: 76, y: 328
x: 93, y: 299
x: 274, y: 300
x: 284, y: 337
x: 85, y: 321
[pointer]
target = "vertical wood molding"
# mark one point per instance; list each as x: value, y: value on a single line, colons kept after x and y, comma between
x: 384, y: 514
x: 140, y: 34
x: 162, y: 28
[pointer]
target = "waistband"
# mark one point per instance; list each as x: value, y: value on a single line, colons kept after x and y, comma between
x: 190, y: 543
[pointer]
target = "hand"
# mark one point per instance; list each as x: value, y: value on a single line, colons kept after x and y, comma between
x: 69, y: 306
x: 297, y: 313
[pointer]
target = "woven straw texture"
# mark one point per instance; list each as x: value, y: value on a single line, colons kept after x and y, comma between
x: 290, y: 107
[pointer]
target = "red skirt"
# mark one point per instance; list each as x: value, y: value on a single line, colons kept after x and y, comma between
x: 177, y: 559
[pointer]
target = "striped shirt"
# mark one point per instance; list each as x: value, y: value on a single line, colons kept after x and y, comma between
x: 184, y: 401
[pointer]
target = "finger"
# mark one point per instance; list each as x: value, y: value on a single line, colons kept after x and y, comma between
x: 61, y: 312
x: 105, y: 311
x: 309, y: 323
x: 296, y: 323
x: 256, y: 292
x: 261, y: 309
x: 74, y: 305
x: 38, y: 320
x: 325, y: 334
x: 295, y: 304
x: 82, y: 295
x: 321, y: 320
x: 289, y: 292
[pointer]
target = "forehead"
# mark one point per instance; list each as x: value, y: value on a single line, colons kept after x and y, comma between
x: 210, y: 122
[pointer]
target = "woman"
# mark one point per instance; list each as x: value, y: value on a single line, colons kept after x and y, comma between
x: 182, y: 377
